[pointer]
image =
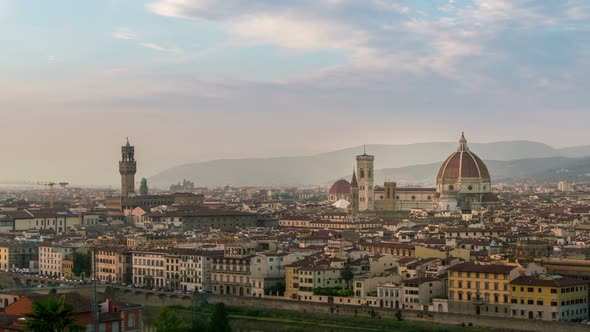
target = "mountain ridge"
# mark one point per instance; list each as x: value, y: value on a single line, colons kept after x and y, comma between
x: 320, y: 168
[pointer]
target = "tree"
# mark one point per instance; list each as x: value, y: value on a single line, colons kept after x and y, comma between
x: 347, y: 274
x: 168, y: 321
x: 219, y: 321
x: 143, y: 187
x: 53, y: 315
x: 82, y: 263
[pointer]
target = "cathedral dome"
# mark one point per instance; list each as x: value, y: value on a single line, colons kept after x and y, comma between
x: 340, y: 187
x: 462, y: 164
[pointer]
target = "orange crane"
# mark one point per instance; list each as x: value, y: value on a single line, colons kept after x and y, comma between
x: 48, y: 184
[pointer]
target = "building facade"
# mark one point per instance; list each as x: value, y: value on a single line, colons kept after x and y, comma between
x: 230, y: 274
x: 114, y: 265
x: 365, y: 167
x: 478, y: 289
x: 51, y: 258
x: 18, y: 255
x: 549, y: 298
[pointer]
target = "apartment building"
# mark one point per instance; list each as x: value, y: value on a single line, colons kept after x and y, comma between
x: 479, y: 289
x: 114, y: 265
x: 418, y: 293
x: 149, y: 268
x: 195, y: 269
x: 231, y: 273
x: 267, y: 272
x: 51, y: 256
x: 549, y: 298
x: 18, y: 255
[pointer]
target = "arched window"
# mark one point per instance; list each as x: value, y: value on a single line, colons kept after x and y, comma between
x: 388, y: 193
x: 369, y: 174
x: 362, y: 173
x: 451, y: 187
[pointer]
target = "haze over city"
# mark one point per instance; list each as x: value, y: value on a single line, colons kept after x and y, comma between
x: 199, y: 80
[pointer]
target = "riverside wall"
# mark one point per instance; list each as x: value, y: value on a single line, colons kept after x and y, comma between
x: 507, y: 324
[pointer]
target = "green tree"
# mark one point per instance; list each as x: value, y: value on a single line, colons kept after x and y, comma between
x: 82, y: 263
x: 219, y: 320
x: 347, y: 274
x: 143, y: 187
x: 168, y: 321
x: 53, y: 315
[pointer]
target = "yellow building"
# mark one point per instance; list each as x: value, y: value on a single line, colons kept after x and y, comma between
x: 478, y: 289
x: 113, y: 265
x: 549, y: 298
x: 67, y: 267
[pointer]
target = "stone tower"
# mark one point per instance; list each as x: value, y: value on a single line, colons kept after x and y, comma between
x: 354, y: 194
x: 389, y: 200
x: 364, y: 165
x: 127, y: 168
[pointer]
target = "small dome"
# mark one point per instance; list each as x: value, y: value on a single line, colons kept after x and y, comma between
x: 340, y: 187
x: 463, y: 164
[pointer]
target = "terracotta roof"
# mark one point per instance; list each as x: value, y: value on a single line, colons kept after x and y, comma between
x: 463, y: 164
x: 340, y: 187
x: 472, y: 267
x: 553, y: 282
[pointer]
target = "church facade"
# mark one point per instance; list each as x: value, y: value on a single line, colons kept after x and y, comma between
x: 463, y: 182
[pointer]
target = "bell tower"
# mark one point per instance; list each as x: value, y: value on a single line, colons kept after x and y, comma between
x: 364, y: 166
x: 127, y: 168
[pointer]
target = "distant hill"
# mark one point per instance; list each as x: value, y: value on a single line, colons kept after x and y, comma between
x: 576, y: 151
x: 322, y: 168
x: 538, y: 169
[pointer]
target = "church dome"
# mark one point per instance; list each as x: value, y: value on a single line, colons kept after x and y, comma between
x: 340, y: 187
x: 462, y: 164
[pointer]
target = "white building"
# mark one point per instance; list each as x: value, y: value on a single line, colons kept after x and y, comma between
x: 149, y: 268
x: 195, y: 269
x: 51, y: 258
x: 267, y: 272
x: 564, y: 186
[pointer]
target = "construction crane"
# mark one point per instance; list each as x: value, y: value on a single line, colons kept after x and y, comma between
x: 48, y: 184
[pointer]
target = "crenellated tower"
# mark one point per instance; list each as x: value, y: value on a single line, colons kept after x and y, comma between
x: 127, y: 168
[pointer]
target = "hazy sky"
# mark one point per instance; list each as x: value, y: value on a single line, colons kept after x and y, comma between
x: 191, y: 80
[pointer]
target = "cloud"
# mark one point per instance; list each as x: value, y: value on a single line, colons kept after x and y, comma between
x: 124, y: 33
x: 157, y: 47
x: 577, y: 10
x: 297, y: 33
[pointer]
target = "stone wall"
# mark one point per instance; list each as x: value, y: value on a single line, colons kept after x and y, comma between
x: 151, y: 299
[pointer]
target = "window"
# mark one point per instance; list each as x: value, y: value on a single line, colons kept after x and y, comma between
x: 131, y: 320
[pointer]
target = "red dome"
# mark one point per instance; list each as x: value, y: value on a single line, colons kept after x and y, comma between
x: 463, y: 164
x: 340, y: 187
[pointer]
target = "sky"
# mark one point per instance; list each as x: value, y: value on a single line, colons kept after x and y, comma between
x: 195, y: 80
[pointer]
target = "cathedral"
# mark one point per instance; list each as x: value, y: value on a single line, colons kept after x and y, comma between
x: 463, y: 183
